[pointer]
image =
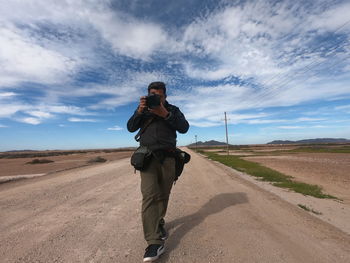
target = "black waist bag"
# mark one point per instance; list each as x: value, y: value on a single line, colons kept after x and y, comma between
x: 141, y: 158
x: 181, y: 158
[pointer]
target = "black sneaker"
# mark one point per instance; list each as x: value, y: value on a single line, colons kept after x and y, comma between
x: 153, y: 252
x: 163, y: 233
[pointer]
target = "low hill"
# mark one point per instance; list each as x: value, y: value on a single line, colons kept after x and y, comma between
x: 207, y: 143
x: 311, y: 141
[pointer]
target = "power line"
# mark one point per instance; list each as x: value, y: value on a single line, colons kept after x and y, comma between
x: 285, y: 79
x: 319, y: 46
x: 270, y: 81
x: 266, y: 94
x: 228, y: 151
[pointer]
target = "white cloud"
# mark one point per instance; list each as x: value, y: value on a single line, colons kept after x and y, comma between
x: 129, y: 36
x: 303, y: 127
x: 268, y: 44
x: 206, y: 102
x: 7, y: 94
x: 332, y: 19
x: 343, y: 107
x: 37, y: 117
x: 65, y: 109
x: 309, y: 119
x: 81, y: 120
x: 207, y: 74
x: 234, y: 38
x: 3, y: 126
x: 61, y: 38
x: 306, y: 90
x: 21, y: 59
x: 257, y: 121
x: 9, y: 109
x: 217, y: 119
x: 204, y: 124
x: 30, y: 120
x: 40, y: 114
x: 115, y: 128
x: 291, y: 127
x: 251, y: 42
x: 130, y: 90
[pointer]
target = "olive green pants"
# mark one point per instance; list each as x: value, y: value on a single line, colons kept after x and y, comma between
x: 156, y: 183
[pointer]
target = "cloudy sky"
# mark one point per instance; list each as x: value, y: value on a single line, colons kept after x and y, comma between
x: 72, y: 71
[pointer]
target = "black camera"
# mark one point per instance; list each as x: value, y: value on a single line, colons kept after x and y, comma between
x: 153, y: 101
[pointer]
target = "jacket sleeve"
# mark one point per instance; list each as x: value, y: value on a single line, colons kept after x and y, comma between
x: 177, y: 121
x: 135, y: 122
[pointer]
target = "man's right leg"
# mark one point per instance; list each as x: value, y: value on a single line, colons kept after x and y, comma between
x: 150, y: 199
x: 167, y: 176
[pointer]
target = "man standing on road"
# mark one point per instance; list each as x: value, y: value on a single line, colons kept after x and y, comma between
x: 159, y: 125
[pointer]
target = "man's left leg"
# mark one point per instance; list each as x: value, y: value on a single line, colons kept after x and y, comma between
x: 166, y: 183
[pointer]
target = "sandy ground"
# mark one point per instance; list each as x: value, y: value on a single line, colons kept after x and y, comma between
x: 330, y: 171
x: 273, y: 148
x: 92, y: 214
x: 19, y: 166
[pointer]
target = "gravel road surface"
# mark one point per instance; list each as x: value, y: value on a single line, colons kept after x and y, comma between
x: 92, y: 214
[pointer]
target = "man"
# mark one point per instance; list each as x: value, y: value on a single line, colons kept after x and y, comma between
x: 159, y: 125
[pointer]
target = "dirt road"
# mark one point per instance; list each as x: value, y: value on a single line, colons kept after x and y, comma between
x: 92, y: 214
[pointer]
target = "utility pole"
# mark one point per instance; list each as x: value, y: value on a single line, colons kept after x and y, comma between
x: 195, y: 137
x: 228, y: 152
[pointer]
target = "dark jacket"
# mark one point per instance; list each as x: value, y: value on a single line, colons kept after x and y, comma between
x: 160, y: 133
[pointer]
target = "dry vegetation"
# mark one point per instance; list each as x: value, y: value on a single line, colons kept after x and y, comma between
x: 38, y: 162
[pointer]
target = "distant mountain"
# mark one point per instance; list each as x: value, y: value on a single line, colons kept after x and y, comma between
x: 318, y: 140
x: 207, y: 143
x: 14, y: 151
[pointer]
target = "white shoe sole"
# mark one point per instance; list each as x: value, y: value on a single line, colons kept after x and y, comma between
x: 150, y: 259
x: 165, y: 237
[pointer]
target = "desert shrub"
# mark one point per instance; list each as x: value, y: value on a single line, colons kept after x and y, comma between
x: 98, y: 159
x: 39, y: 161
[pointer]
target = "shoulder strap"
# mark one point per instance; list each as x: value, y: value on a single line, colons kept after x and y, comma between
x: 142, y: 130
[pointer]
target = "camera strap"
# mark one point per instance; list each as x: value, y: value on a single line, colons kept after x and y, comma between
x: 142, y: 130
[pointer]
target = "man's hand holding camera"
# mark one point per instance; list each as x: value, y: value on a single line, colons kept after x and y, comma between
x: 142, y: 105
x: 159, y: 110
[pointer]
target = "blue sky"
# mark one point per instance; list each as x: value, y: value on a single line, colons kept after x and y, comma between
x: 72, y: 72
